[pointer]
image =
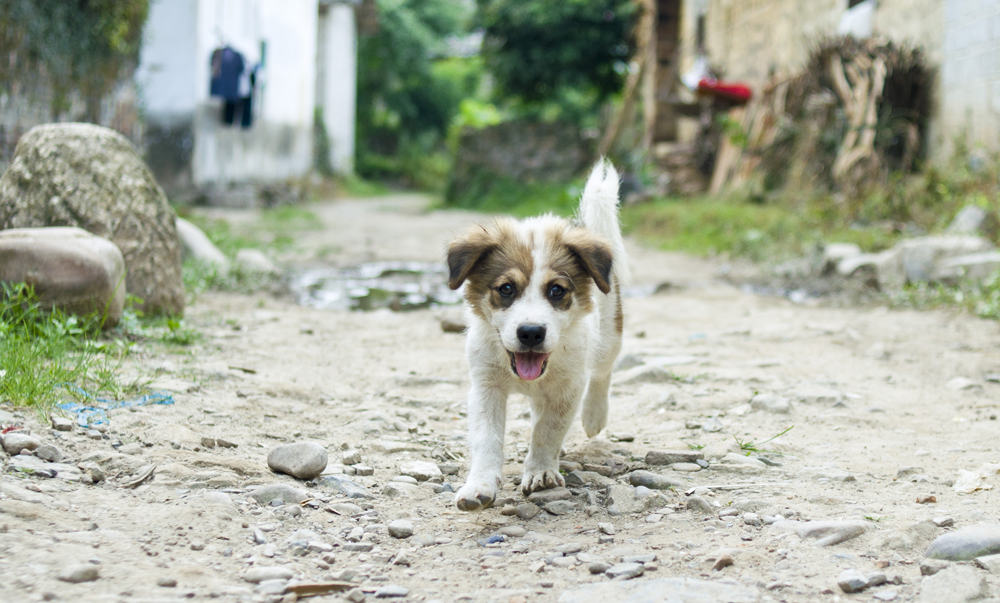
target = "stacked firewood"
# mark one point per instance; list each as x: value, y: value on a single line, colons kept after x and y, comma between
x: 852, y: 116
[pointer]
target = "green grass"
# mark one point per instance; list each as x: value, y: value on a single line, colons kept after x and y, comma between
x: 275, y: 229
x: 748, y: 446
x: 43, y: 351
x: 979, y: 298
x: 507, y: 196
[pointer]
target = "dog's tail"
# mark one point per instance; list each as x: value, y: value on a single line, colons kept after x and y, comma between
x: 599, y: 213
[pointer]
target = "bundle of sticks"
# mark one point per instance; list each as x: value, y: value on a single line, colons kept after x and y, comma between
x: 854, y: 114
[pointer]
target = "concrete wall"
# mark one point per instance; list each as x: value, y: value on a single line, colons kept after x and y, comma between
x: 337, y: 85
x: 187, y: 145
x: 970, y: 74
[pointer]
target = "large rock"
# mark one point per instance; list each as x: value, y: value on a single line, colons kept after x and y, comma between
x: 88, y: 176
x: 304, y: 460
x: 69, y: 268
x: 966, y: 544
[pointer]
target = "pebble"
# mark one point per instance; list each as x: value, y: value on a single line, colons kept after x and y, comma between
x: 653, y: 480
x: 79, y: 572
x: 954, y: 584
x: 363, y: 470
x: 852, y: 581
x: 526, y: 511
x: 943, y: 522
x: 606, y: 528
x: 967, y: 543
x: 929, y: 567
x: 15, y: 442
x: 670, y: 457
x: 269, y: 492
x: 304, y: 460
x: 700, y: 505
x: 686, y: 467
x: 61, y: 423
x: 405, y: 479
x: 270, y: 587
x: 346, y: 508
x: 420, y: 470
x: 351, y: 457
x: 598, y: 567
x: 48, y: 452
x: 625, y: 570
x: 752, y: 519
x: 449, y: 468
x: 582, y: 478
x: 93, y: 434
x: 424, y: 540
x: 553, y: 494
x: 513, y: 531
x: 167, y: 582
x: 599, y: 469
x: 348, y: 488
x: 570, y: 548
x: 646, y: 558
x: 886, y: 595
x: 827, y: 532
x: 400, y: 528
x: 712, y: 425
x: 990, y: 563
x: 559, y: 507
x: 391, y: 590
x: 722, y: 561
x: 358, y: 547
x: 256, y: 575
x: 771, y: 403
x: 569, y: 466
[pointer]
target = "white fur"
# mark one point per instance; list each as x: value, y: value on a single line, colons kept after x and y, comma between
x: 583, y: 347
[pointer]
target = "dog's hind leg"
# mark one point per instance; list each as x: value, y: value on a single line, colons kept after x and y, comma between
x: 595, y: 400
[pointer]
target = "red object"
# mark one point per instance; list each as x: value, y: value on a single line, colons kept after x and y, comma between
x: 737, y: 93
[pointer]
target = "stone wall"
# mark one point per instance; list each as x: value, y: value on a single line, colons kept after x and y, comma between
x: 518, y: 150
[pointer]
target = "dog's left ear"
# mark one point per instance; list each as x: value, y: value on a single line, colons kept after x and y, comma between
x: 465, y: 251
x: 595, y: 258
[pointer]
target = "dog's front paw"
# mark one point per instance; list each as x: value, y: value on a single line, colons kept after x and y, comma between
x: 533, y: 481
x: 477, y: 495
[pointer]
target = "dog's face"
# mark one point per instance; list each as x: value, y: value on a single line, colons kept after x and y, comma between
x: 530, y: 280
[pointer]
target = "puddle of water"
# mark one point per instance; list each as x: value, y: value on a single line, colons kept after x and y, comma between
x: 399, y: 286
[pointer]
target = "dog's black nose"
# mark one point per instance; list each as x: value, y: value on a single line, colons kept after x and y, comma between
x: 531, y: 335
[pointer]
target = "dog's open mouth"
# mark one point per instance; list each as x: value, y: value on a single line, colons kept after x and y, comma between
x: 528, y: 365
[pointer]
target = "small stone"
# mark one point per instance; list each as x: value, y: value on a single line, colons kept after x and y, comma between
x: 93, y: 434
x: 852, y: 581
x: 345, y: 508
x: 876, y: 579
x: 712, y: 425
x: 405, y: 479
x: 424, y: 540
x: 345, y: 486
x: 526, y: 511
x: 625, y: 570
x: 420, y: 470
x: 722, y: 561
x: 513, y: 531
x: 449, y: 468
x: 351, y: 457
x: 400, y: 528
x: 197, y: 545
x: 599, y: 567
x: 606, y: 528
x: 886, y: 595
x: 990, y: 563
x: 670, y: 457
x: 358, y: 547
x: 622, y: 437
x: 544, y: 496
x: 752, y: 519
x: 570, y: 548
x: 256, y: 575
x: 700, y: 505
x: 926, y: 499
x: 559, y: 507
x: 646, y: 558
x: 954, y: 584
x: 269, y: 492
x: 582, y: 478
x: 966, y: 544
x: 771, y: 403
x: 391, y: 590
x: 686, y: 467
x: 599, y: 469
x: 14, y: 442
x: 304, y: 460
x: 79, y: 572
x: 355, y: 595
x: 48, y: 452
x: 943, y: 522
x: 167, y: 582
x: 363, y: 470
x: 61, y: 423
x: 569, y: 466
x: 653, y: 480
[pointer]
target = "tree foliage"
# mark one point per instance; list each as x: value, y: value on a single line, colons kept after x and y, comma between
x: 539, y: 50
x: 82, y: 45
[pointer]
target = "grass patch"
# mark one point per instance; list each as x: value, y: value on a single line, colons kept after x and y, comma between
x: 735, y: 227
x: 981, y: 298
x: 275, y: 228
x: 508, y: 196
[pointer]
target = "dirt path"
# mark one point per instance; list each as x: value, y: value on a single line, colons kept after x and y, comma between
x: 878, y: 420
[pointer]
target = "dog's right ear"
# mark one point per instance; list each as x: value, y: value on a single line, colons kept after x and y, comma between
x: 465, y: 251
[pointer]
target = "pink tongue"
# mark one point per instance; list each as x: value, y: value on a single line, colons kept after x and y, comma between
x: 529, y: 364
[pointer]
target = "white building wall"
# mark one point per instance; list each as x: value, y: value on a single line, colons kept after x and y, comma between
x: 339, y: 94
x: 168, y: 57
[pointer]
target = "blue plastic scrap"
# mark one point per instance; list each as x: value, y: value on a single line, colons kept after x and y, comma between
x: 96, y: 413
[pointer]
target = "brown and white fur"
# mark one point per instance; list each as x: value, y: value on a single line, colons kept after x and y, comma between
x: 543, y: 299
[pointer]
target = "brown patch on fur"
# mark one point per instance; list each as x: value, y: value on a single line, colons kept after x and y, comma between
x: 489, y: 257
x: 591, y: 253
x: 619, y: 315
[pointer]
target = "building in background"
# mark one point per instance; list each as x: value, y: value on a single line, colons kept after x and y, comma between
x: 191, y: 146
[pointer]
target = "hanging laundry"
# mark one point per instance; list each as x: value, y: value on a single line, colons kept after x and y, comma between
x: 228, y: 66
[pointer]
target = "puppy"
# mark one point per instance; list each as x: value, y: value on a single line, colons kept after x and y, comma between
x: 543, y: 299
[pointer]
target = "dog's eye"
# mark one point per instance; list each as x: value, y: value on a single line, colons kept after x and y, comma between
x: 557, y: 291
x: 506, y: 290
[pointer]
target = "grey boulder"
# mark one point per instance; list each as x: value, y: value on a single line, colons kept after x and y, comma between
x: 966, y: 544
x: 73, y: 174
x: 196, y: 245
x: 304, y: 460
x: 14, y: 443
x: 69, y: 268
